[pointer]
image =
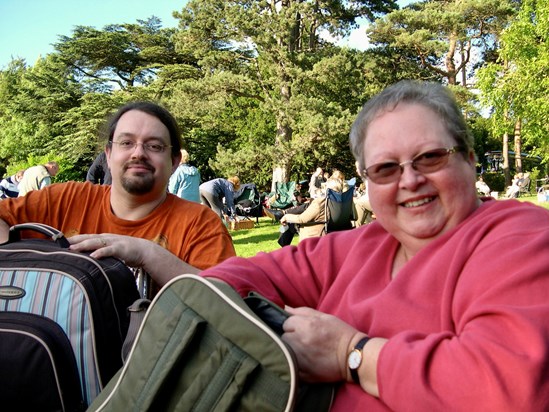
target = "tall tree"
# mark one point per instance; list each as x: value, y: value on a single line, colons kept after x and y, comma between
x: 268, y: 51
x: 516, y: 86
x: 120, y: 55
x: 34, y: 101
x: 447, y: 36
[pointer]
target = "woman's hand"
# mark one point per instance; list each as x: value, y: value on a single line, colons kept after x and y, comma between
x: 321, y: 343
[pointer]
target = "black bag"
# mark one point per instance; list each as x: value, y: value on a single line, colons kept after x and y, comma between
x: 63, y: 320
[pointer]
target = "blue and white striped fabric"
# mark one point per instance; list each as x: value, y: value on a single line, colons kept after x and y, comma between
x: 61, y: 298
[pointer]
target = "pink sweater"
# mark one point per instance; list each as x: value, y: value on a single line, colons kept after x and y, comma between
x: 467, y: 318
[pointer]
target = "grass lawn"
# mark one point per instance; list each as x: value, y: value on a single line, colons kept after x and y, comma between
x: 534, y: 199
x: 263, y: 237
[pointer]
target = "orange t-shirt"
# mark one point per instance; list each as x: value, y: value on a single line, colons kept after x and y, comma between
x: 189, y: 230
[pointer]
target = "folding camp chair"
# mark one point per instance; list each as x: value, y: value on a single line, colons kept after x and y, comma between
x: 283, y: 197
x: 339, y: 210
x: 248, y: 201
x: 524, y: 185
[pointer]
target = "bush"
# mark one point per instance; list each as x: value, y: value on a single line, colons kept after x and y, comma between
x: 495, y: 181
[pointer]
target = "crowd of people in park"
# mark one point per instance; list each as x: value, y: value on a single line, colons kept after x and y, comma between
x: 439, y: 303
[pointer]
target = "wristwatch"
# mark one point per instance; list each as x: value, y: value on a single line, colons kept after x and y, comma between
x: 354, y: 359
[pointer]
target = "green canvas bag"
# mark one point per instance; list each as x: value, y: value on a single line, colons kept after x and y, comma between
x: 201, y: 347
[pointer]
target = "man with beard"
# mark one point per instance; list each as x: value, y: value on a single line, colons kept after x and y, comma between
x: 135, y: 218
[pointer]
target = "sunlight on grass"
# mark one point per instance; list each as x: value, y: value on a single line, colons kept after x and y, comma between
x: 534, y: 200
x: 262, y: 238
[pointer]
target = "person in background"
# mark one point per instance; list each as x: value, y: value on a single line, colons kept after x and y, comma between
x: 301, y: 207
x: 315, y: 212
x: 514, y: 190
x: 134, y: 218
x: 482, y: 187
x: 299, y: 196
x: 315, y: 185
x: 301, y: 204
x: 338, y: 174
x: 362, y: 206
x: 9, y: 187
x: 99, y: 172
x: 441, y: 302
x: 37, y: 177
x: 218, y: 194
x: 185, y: 181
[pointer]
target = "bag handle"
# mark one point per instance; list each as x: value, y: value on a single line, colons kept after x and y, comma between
x: 54, y: 234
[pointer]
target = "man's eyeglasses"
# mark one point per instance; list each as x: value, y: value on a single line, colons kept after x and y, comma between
x: 427, y: 162
x: 128, y: 145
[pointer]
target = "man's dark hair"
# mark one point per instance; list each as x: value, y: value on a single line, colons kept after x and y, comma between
x: 155, y: 110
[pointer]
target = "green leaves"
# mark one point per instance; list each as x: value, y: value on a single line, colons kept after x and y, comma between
x: 517, y: 86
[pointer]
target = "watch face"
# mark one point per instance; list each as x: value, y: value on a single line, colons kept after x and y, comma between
x: 355, y: 357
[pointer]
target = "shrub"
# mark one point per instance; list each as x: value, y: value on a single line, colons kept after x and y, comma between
x: 495, y: 181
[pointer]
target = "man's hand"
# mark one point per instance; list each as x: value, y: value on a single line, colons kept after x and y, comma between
x: 160, y: 263
x: 131, y: 250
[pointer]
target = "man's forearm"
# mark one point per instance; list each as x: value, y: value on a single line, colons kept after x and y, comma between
x: 4, y: 231
x: 163, y: 266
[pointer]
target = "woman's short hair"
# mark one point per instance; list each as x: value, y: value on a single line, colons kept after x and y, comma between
x: 184, y: 156
x: 235, y: 181
x: 338, y: 174
x: 155, y: 110
x: 434, y: 96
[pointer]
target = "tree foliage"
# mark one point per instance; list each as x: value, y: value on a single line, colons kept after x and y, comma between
x: 120, y: 55
x: 447, y: 36
x: 34, y: 101
x: 273, y: 53
x: 260, y: 89
x: 516, y: 86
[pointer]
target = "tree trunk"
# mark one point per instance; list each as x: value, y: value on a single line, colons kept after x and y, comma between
x: 505, y: 153
x: 449, y: 60
x: 463, y: 69
x: 518, y: 146
x: 281, y: 167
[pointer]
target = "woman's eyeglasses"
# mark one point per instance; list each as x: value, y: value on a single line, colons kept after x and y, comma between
x: 427, y: 162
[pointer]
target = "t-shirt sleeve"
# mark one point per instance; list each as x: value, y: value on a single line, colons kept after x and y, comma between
x: 206, y: 241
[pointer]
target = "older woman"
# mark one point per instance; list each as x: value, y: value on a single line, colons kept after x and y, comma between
x: 442, y: 303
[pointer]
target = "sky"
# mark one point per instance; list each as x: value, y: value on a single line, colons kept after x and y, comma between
x: 28, y: 28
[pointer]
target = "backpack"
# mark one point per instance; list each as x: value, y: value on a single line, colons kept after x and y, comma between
x: 201, y: 347
x: 63, y: 320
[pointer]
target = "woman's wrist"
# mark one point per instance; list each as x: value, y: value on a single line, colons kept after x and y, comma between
x: 354, y: 357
